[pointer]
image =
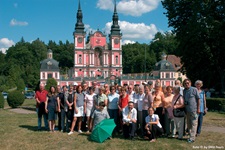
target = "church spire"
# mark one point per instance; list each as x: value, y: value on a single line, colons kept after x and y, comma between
x: 115, y: 28
x: 79, y: 27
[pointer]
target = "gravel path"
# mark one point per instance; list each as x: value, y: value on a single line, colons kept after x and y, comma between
x: 22, y: 111
x: 214, y: 129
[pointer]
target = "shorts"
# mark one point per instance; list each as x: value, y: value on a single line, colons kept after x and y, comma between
x: 88, y: 112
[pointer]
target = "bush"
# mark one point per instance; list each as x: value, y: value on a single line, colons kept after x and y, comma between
x: 15, y: 99
x: 215, y: 104
x: 2, y: 100
x: 50, y: 82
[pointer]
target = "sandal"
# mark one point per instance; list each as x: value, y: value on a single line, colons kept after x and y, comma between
x: 153, y: 140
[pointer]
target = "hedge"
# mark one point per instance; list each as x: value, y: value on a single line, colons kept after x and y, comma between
x: 215, y: 104
x: 15, y: 99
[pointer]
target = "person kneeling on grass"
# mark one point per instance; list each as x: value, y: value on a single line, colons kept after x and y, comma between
x: 99, y: 115
x: 153, y: 125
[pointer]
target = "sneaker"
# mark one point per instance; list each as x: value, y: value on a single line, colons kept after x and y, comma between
x: 173, y: 136
x: 79, y: 131
x: 70, y: 133
x: 190, y: 141
x: 61, y: 130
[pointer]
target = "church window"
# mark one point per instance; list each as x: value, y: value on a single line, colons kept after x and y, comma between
x: 167, y: 75
x: 117, y: 61
x: 56, y: 75
x: 80, y: 59
x: 49, y: 75
x: 43, y: 75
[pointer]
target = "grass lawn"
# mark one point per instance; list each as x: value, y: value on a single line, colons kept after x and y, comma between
x: 18, y: 131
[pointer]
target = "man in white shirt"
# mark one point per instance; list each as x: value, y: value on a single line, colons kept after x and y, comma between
x: 130, y: 92
x: 129, y: 120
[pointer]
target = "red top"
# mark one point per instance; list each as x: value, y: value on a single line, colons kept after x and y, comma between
x: 41, y: 96
x: 123, y: 101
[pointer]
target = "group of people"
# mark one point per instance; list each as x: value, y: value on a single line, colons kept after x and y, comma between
x: 145, y: 110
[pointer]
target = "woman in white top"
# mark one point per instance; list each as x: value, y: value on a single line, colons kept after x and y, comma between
x: 89, y: 98
x: 153, y: 125
x: 141, y: 96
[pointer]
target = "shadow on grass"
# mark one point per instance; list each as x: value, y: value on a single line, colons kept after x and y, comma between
x: 31, y: 128
x: 28, y: 108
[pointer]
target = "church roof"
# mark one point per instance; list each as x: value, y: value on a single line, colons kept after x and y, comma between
x: 49, y: 65
x: 164, y: 65
x: 175, y: 61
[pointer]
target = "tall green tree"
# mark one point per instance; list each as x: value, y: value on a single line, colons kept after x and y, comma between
x: 164, y: 43
x: 134, y: 59
x: 199, y: 28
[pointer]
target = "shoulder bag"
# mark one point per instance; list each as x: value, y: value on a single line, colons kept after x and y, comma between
x: 178, y: 112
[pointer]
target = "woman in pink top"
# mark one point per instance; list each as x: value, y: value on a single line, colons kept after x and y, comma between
x: 169, y: 122
x: 158, y: 102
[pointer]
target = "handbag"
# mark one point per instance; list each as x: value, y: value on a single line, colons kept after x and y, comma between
x: 178, y: 112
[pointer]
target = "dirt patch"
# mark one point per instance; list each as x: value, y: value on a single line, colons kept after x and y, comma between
x: 214, y: 129
x: 22, y: 111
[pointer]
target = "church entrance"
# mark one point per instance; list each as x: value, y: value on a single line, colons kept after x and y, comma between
x: 98, y: 57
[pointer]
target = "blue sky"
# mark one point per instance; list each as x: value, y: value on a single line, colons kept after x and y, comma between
x: 55, y: 19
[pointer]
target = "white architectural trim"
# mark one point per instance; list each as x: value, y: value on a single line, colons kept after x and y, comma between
x: 75, y: 58
x: 112, y: 58
x: 84, y: 58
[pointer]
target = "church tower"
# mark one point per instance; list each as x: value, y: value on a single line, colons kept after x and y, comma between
x: 79, y: 44
x: 115, y: 40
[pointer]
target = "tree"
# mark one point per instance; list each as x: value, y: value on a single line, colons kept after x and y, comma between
x: 199, y: 28
x: 134, y: 58
x: 164, y: 43
x: 50, y: 82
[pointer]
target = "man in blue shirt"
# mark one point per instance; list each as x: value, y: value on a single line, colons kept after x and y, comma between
x: 192, y: 107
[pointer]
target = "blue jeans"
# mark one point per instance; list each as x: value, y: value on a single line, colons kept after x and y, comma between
x: 200, y: 120
x: 40, y: 120
x: 114, y: 113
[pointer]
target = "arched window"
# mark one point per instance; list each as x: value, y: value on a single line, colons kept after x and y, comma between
x: 80, y: 59
x: 117, y: 60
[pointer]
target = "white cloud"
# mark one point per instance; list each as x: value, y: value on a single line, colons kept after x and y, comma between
x: 5, y: 43
x: 88, y: 28
x: 127, y: 42
x: 134, y: 31
x: 14, y: 22
x: 129, y: 7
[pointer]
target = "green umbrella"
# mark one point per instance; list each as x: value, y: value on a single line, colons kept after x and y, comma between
x: 103, y: 130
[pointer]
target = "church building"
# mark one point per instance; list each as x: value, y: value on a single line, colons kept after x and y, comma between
x: 95, y: 56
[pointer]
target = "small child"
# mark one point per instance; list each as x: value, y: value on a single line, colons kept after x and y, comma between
x: 99, y: 115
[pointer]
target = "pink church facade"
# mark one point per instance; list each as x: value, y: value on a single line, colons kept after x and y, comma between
x: 98, y: 57
x: 95, y: 58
